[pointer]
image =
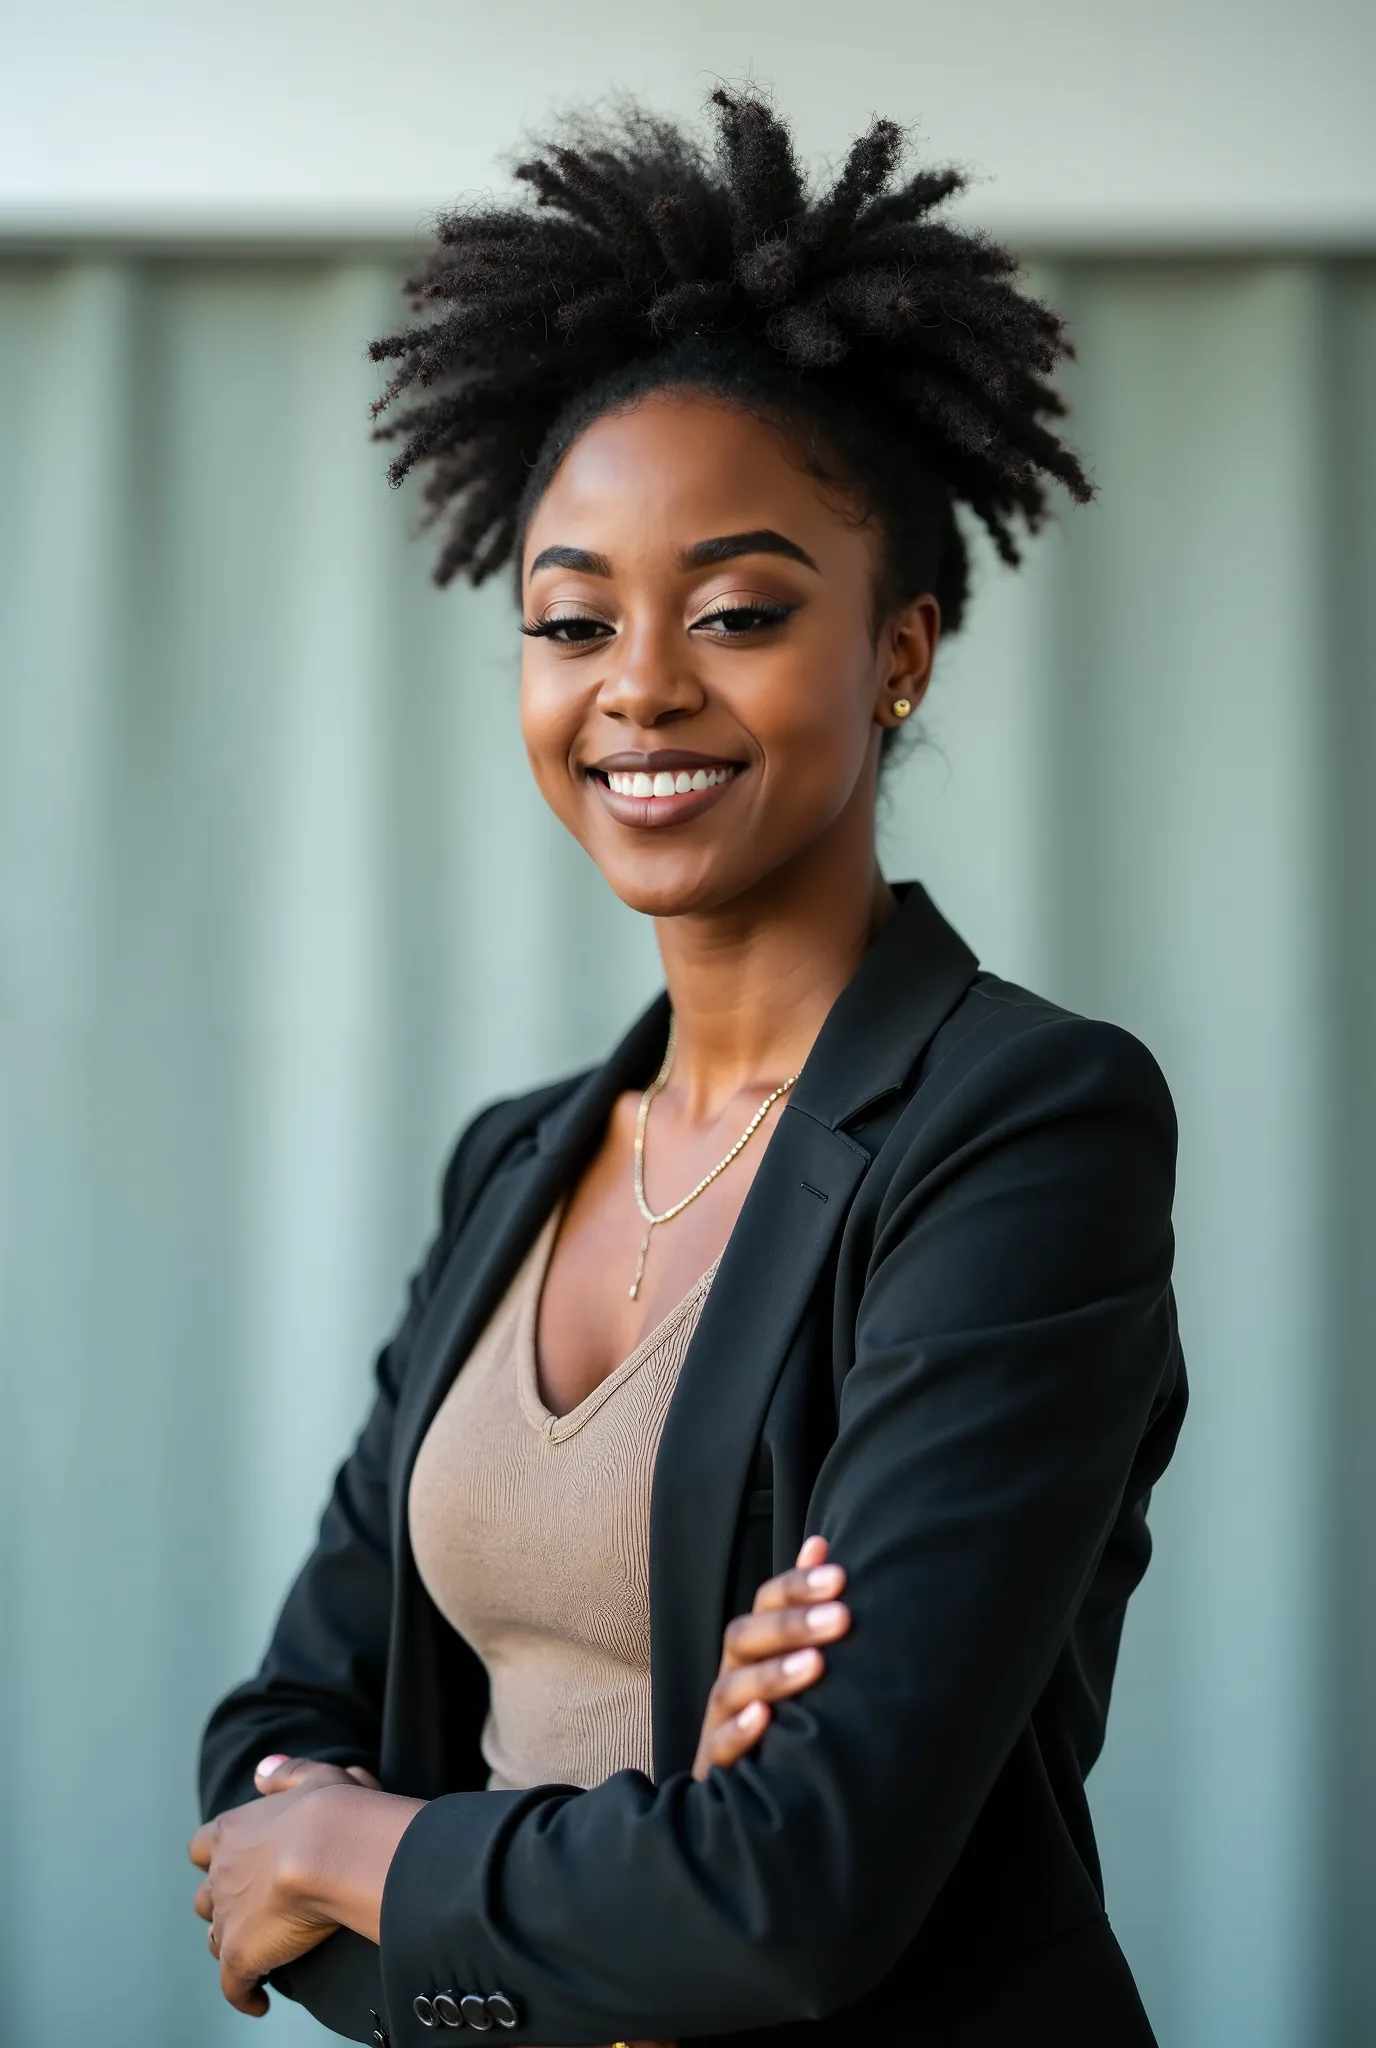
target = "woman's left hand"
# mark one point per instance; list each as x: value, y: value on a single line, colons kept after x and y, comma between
x: 772, y: 1653
x: 264, y: 1865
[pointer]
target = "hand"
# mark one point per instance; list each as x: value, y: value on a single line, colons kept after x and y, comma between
x: 771, y: 1654
x: 263, y: 1893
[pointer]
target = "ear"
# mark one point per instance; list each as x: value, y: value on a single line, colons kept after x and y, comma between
x: 907, y: 649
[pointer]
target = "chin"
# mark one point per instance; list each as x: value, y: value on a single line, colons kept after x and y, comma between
x: 671, y: 893
x: 662, y: 900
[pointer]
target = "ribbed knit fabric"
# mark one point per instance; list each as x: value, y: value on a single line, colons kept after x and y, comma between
x: 531, y: 1532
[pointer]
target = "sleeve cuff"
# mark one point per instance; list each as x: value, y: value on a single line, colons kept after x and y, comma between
x: 446, y: 1961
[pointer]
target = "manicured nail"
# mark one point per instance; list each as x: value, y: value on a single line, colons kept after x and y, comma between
x: 751, y: 1716
x: 821, y: 1619
x: 825, y: 1578
x: 269, y: 1765
x: 800, y: 1662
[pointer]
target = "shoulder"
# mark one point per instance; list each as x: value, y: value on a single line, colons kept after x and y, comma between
x: 1035, y: 1147
x: 1006, y: 1058
x: 490, y: 1138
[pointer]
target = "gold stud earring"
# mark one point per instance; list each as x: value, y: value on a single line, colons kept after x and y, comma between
x: 901, y: 707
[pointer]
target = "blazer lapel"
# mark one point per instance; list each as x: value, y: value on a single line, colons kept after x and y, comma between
x: 876, y: 1032
x: 773, y: 1259
x: 505, y: 1219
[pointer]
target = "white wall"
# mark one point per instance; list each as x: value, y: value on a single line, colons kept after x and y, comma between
x: 1214, y: 122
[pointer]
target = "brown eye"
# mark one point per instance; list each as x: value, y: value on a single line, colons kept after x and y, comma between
x: 731, y: 620
x: 572, y: 630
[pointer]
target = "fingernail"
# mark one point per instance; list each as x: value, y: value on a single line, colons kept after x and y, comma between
x: 751, y: 1716
x: 799, y: 1662
x: 269, y: 1765
x: 825, y: 1578
x: 820, y: 1619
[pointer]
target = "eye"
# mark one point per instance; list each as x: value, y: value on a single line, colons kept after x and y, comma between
x: 567, y: 629
x: 730, y: 621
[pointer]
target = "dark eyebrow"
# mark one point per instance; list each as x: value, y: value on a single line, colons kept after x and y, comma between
x: 571, y: 558
x: 704, y: 554
x: 763, y: 541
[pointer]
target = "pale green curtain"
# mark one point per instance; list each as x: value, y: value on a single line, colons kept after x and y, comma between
x: 278, y: 907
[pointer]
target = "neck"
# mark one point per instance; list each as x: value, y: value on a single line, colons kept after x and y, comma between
x: 751, y: 983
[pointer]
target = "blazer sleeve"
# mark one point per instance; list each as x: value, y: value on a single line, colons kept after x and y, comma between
x: 1015, y: 1334
x: 318, y: 1692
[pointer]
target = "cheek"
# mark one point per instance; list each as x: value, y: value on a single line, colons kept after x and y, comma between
x: 814, y: 720
x: 549, y: 725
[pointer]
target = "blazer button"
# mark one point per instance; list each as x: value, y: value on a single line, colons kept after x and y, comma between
x: 446, y: 2008
x: 503, y: 2009
x: 423, y: 2010
x: 473, y: 2006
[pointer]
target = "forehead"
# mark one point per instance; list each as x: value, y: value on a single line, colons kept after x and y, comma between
x: 674, y: 468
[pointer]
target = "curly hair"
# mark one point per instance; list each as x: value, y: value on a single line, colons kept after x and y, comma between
x: 894, y: 346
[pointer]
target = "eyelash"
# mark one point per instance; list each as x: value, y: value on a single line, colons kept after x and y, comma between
x: 760, y: 616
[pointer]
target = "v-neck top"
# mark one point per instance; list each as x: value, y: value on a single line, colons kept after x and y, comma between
x: 531, y: 1533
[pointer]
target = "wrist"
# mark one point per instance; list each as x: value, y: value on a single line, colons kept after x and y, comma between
x: 313, y: 1849
x: 339, y: 1853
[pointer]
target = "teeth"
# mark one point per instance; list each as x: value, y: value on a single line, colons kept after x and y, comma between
x: 662, y: 783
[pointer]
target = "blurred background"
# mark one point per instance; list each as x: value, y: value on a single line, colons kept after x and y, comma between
x: 279, y: 908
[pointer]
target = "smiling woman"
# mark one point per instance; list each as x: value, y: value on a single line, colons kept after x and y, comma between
x: 670, y: 772
x: 695, y: 588
x: 847, y: 1273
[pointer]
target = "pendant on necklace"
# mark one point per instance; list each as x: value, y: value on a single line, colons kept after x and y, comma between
x: 640, y: 1264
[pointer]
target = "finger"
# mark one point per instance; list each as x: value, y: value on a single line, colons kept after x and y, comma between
x: 362, y: 1777
x: 289, y: 1773
x: 245, y: 1994
x: 778, y: 1678
x: 751, y: 1637
x: 799, y: 1588
x: 203, y: 1902
x: 202, y: 1845
x: 738, y: 1736
x: 294, y: 1773
x: 813, y: 1552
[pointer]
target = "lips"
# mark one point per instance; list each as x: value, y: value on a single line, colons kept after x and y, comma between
x: 667, y: 787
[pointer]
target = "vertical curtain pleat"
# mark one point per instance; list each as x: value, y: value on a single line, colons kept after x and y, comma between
x: 279, y: 905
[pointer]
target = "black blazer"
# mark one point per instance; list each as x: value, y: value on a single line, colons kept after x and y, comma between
x: 942, y: 1335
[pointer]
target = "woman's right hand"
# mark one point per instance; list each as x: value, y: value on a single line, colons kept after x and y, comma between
x: 772, y: 1653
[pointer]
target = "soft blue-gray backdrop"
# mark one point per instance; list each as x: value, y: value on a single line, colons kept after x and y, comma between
x: 278, y: 907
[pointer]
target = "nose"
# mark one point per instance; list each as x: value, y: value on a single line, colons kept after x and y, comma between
x: 648, y: 683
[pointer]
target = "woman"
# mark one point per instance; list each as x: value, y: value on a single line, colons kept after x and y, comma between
x: 847, y: 1244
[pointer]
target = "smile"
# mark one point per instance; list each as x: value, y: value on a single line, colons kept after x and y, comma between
x: 665, y: 790
x: 663, y: 783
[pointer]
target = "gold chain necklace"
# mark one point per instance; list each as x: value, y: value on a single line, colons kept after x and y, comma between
x: 638, y: 1176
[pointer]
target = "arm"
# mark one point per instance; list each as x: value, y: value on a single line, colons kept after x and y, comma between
x: 1012, y: 1340
x: 288, y: 1870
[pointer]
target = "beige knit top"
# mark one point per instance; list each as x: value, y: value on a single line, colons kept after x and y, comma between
x: 531, y: 1533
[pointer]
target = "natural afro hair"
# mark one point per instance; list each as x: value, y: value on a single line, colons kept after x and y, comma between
x: 894, y: 346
